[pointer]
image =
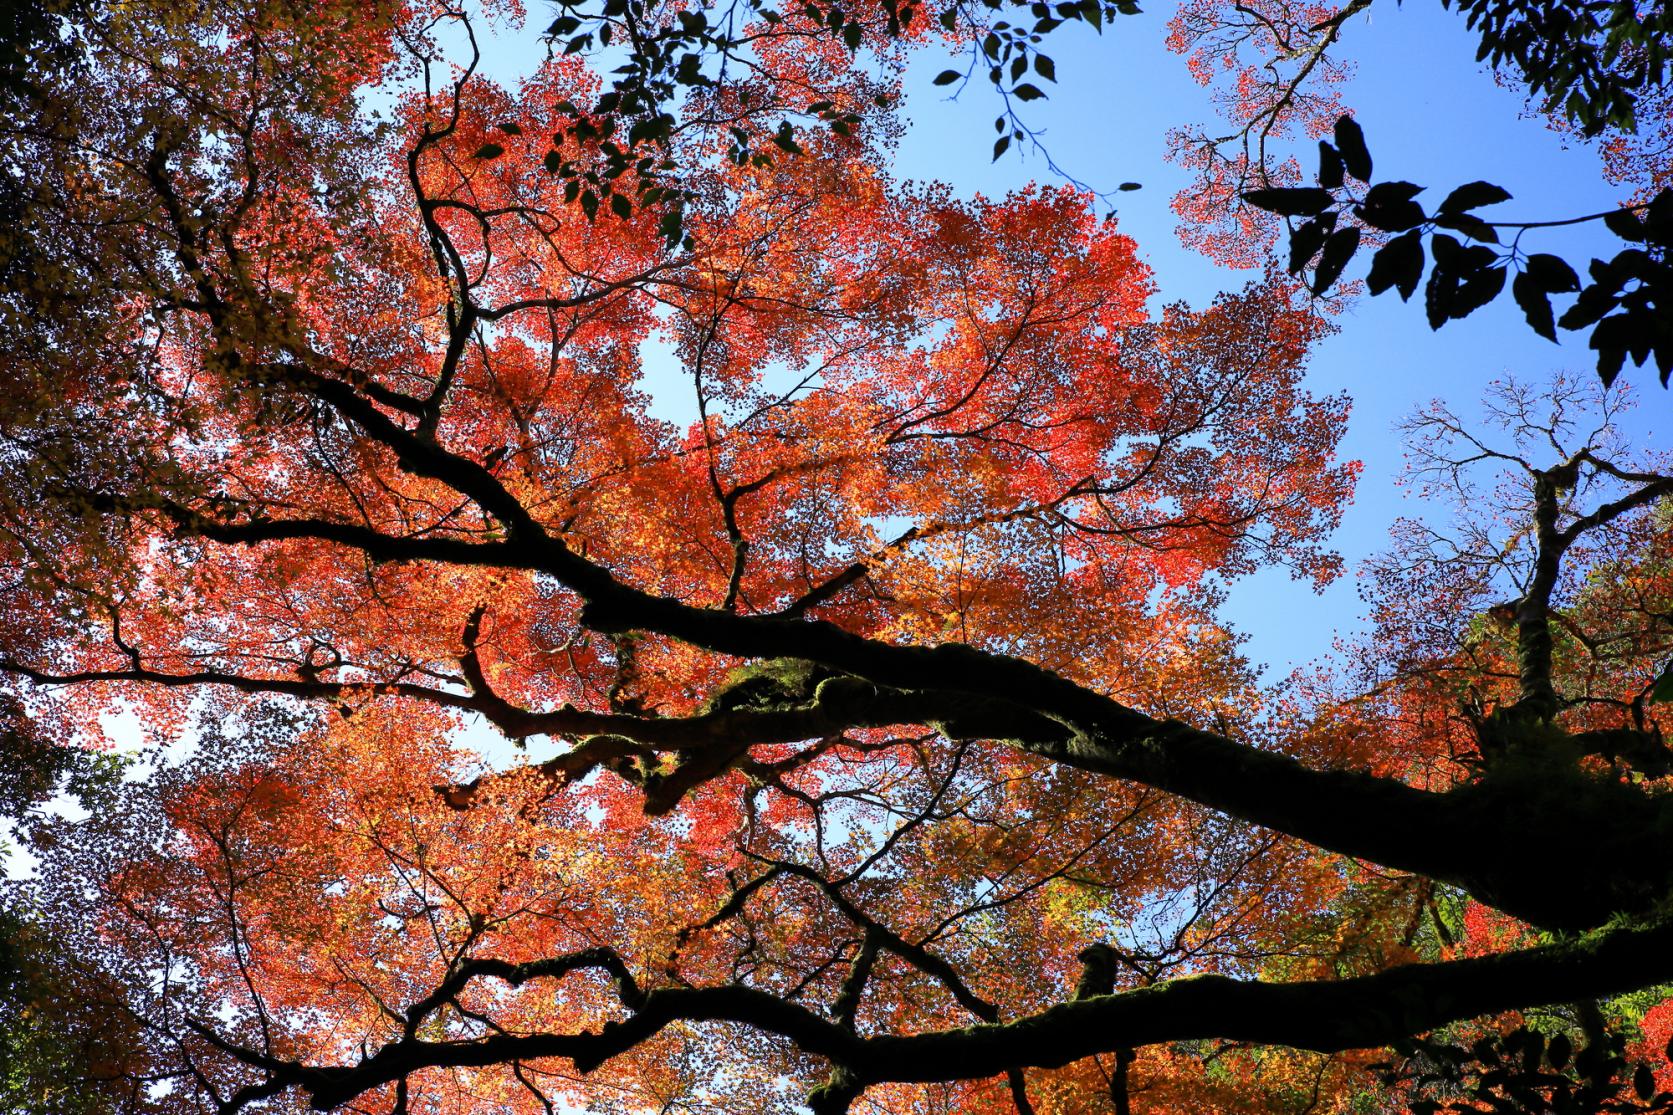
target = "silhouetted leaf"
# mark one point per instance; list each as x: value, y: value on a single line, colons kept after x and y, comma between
x: 1389, y: 206
x: 1442, y: 288
x: 1658, y: 218
x: 1338, y: 250
x: 1536, y: 305
x: 1473, y: 195
x: 1330, y: 166
x: 1476, y: 289
x: 1296, y: 201
x: 1387, y: 193
x: 1473, y: 227
x: 785, y: 139
x: 1350, y: 142
x: 1306, y: 241
x: 1399, y: 263
x: 1625, y: 224
x: 1533, y: 1048
x: 1593, y: 303
x: 1553, y: 275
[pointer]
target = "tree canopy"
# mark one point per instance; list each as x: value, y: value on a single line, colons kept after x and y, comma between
x: 870, y: 741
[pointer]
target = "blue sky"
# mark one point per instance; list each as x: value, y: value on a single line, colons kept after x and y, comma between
x: 1433, y: 116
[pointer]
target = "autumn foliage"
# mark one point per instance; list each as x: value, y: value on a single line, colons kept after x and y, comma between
x: 584, y: 665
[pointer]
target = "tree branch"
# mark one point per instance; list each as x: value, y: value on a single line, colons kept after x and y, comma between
x: 1324, y: 1016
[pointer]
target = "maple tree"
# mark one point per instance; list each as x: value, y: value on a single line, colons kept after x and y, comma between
x: 883, y: 748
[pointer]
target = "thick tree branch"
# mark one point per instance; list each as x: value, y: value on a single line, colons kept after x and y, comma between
x: 1325, y: 1016
x: 1474, y: 838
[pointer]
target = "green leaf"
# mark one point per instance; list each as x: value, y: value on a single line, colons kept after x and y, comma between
x: 489, y: 151
x: 511, y: 129
x: 1128, y: 187
x: 1027, y: 92
x: 552, y: 162
x: 999, y: 147
x: 786, y: 140
x: 670, y: 226
x: 1045, y: 67
x: 589, y: 204
x: 622, y: 207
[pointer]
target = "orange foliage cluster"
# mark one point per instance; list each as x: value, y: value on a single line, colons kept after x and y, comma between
x: 1273, y: 78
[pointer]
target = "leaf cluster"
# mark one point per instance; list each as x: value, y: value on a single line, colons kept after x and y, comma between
x: 1526, y: 1073
x: 1592, y: 62
x: 1625, y: 306
x: 1010, y: 56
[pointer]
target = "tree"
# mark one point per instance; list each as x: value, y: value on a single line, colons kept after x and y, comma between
x: 893, y: 754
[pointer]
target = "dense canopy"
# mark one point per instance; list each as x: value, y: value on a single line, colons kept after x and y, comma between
x: 868, y: 739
